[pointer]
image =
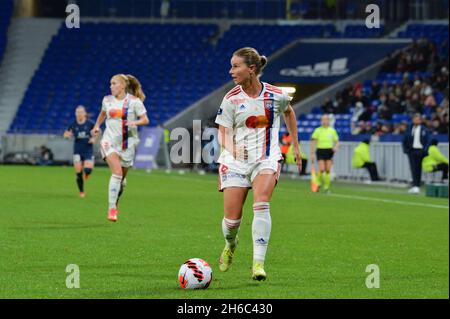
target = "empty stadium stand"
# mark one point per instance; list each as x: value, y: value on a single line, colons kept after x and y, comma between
x: 176, y: 63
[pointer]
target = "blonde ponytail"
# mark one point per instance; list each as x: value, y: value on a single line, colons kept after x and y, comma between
x: 134, y: 87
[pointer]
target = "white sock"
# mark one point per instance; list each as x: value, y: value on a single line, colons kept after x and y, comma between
x: 230, y: 228
x: 114, y: 188
x: 262, y: 224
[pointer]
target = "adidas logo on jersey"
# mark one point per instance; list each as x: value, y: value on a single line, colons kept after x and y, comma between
x: 242, y: 107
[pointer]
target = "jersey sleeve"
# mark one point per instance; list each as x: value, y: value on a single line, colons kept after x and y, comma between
x: 315, y: 134
x: 335, y: 136
x: 139, y: 107
x: 71, y: 127
x: 225, y: 114
x: 104, y: 104
x: 285, y: 99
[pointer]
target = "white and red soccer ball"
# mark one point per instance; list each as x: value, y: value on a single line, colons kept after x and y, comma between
x: 195, y: 273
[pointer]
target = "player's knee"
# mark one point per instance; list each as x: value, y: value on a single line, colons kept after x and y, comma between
x: 261, y: 198
x: 233, y: 214
x: 87, y: 170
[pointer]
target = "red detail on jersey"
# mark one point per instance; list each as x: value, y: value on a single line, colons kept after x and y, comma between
x: 260, y: 121
x: 232, y: 92
x: 267, y: 140
x: 124, y: 125
x: 237, y: 101
x: 273, y: 89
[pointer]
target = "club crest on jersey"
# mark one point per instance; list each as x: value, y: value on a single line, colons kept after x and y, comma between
x: 219, y: 111
x: 269, y: 104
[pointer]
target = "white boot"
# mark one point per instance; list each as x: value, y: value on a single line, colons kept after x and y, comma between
x: 414, y: 190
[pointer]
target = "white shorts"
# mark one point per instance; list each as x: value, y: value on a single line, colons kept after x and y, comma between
x: 126, y: 156
x: 230, y: 176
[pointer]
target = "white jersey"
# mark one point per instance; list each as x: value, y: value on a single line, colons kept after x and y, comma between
x: 117, y: 132
x: 255, y: 121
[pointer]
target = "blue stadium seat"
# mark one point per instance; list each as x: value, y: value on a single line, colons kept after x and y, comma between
x: 5, y: 18
x: 66, y: 78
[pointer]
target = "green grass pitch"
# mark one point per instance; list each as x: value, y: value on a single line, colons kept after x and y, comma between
x: 320, y: 244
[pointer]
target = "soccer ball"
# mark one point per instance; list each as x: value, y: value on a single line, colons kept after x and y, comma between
x: 195, y: 273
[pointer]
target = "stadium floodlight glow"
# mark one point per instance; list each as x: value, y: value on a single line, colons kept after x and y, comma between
x: 288, y: 89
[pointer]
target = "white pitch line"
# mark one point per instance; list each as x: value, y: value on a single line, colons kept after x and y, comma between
x: 389, y: 201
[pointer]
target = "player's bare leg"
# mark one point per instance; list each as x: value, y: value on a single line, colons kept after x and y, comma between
x: 327, y: 177
x: 113, y: 161
x: 122, y: 184
x: 263, y: 186
x: 88, y: 167
x: 233, y: 199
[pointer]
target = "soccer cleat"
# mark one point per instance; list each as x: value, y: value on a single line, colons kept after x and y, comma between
x: 226, y: 258
x: 82, y: 194
x: 112, y: 214
x: 414, y: 190
x: 258, y: 271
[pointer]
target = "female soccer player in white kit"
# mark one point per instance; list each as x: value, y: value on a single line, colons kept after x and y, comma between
x: 124, y: 111
x: 249, y: 121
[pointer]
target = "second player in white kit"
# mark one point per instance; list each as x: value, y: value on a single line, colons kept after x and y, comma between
x: 119, y: 137
x: 123, y: 111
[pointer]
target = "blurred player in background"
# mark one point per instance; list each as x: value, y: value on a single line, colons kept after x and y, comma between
x: 249, y: 121
x: 326, y: 140
x: 124, y: 111
x: 83, y: 155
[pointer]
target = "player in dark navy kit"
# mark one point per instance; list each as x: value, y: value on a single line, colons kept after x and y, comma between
x: 83, y: 156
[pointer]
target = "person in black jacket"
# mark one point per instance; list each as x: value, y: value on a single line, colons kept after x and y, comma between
x: 415, y: 144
